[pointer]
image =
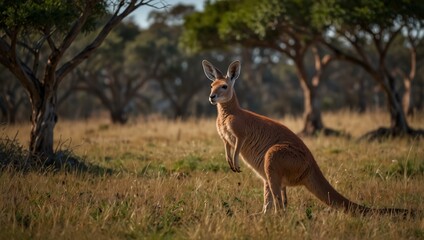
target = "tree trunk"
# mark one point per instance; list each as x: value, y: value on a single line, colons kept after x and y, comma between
x: 312, y: 113
x: 312, y: 106
x: 178, y: 112
x: 362, y: 103
x: 11, y: 116
x: 3, y: 110
x: 118, y: 116
x: 9, y: 108
x: 398, y: 122
x: 43, y: 121
x: 407, y: 103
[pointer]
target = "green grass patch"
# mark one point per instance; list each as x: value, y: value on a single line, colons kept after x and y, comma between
x: 406, y: 169
x: 189, y: 163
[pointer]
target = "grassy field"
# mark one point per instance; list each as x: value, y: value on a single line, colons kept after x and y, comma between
x: 170, y: 180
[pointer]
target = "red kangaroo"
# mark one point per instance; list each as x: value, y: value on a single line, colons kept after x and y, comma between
x: 272, y: 150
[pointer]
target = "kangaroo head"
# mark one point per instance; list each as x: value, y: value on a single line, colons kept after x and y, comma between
x: 222, y: 88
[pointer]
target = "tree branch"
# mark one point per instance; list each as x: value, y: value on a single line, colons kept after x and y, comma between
x: 22, y: 72
x: 413, y: 69
x: 92, y: 87
x: 339, y: 54
x: 50, y: 80
x: 389, y: 42
x: 355, y: 44
x: 87, y: 51
x: 47, y: 35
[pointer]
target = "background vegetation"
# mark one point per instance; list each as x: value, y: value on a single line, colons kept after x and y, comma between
x: 138, y: 72
x: 106, y: 131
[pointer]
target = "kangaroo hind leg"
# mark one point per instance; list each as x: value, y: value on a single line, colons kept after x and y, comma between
x: 274, y: 186
x: 281, y: 166
x: 269, y: 198
x: 284, y: 194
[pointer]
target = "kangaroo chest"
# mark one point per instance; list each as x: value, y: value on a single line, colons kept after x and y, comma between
x: 250, y: 154
x: 226, y: 132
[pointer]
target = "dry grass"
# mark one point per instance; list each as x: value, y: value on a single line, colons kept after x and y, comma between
x: 171, y: 181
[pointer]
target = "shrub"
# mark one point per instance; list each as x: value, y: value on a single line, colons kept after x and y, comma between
x: 12, y: 154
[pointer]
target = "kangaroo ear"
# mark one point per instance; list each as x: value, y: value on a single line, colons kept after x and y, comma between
x: 211, y: 72
x: 233, y: 71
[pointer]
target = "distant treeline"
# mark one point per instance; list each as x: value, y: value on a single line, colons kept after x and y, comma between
x: 137, y: 72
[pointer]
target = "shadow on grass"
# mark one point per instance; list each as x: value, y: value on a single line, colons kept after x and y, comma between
x: 325, y: 131
x: 13, y: 157
x: 383, y: 133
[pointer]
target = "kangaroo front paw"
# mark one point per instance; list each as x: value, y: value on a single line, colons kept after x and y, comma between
x: 230, y: 163
x: 236, y: 164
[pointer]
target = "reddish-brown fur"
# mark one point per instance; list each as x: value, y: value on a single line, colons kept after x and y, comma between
x: 272, y: 150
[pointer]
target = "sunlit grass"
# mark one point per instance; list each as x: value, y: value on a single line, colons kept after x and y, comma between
x: 170, y: 180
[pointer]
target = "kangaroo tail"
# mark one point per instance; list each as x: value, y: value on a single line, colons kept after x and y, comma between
x: 318, y: 185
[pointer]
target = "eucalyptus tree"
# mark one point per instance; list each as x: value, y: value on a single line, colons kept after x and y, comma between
x: 367, y: 30
x: 43, y: 31
x: 111, y: 75
x: 407, y: 70
x: 175, y: 73
x: 284, y: 26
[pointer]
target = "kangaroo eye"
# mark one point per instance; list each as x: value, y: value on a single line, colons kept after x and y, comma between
x: 224, y: 87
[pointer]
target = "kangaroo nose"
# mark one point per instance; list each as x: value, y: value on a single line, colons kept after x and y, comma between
x: 212, y: 96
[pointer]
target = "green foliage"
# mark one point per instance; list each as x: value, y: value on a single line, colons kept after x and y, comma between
x: 40, y: 15
x: 201, y: 29
x: 228, y: 22
x: 367, y: 13
x: 251, y: 17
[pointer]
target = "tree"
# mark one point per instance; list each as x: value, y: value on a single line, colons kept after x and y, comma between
x: 407, y: 69
x: 284, y: 26
x: 29, y: 27
x: 368, y: 29
x: 175, y: 75
x: 112, y: 75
